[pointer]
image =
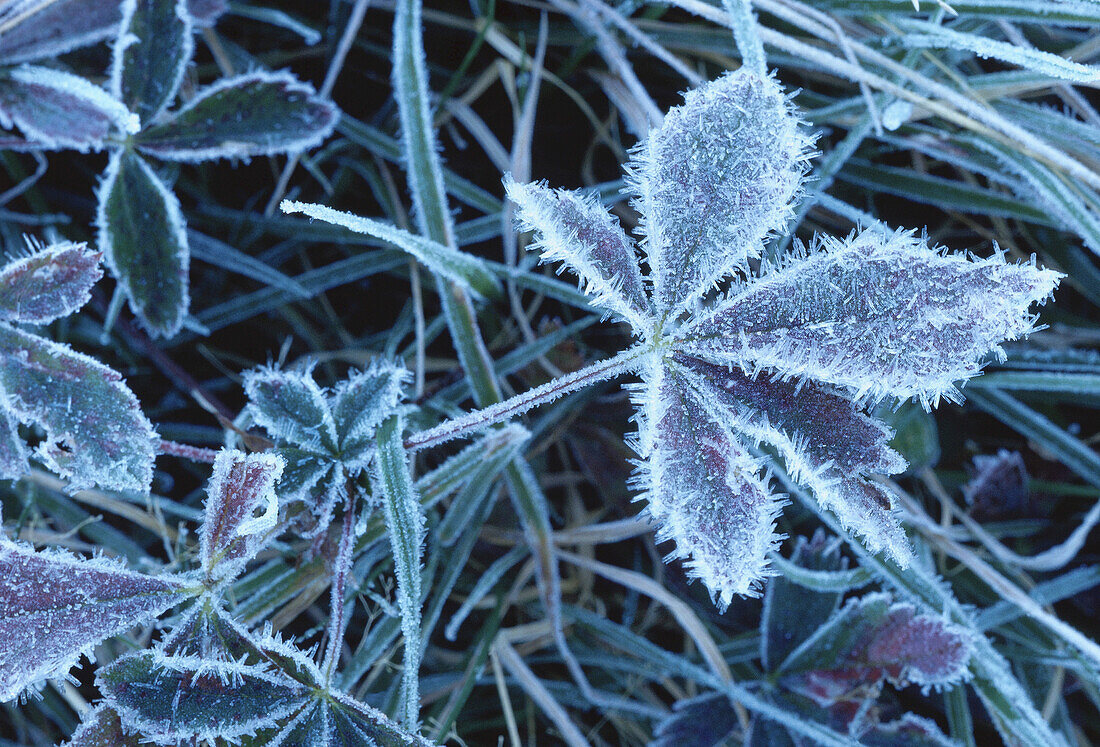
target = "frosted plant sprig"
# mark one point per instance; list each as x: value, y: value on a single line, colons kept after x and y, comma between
x: 788, y: 357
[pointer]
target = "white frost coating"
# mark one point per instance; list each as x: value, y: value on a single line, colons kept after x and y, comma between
x: 713, y: 181
x: 304, y: 140
x: 576, y: 230
x: 360, y: 403
x: 292, y: 407
x: 177, y: 227
x: 462, y: 268
x: 70, y: 93
x: 56, y: 607
x: 881, y: 314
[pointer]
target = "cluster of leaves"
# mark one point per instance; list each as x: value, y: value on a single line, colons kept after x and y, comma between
x: 770, y: 370
x: 792, y: 352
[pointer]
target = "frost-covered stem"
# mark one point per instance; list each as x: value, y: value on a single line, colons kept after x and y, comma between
x: 187, y: 451
x: 478, y: 420
x: 743, y: 23
x: 340, y: 571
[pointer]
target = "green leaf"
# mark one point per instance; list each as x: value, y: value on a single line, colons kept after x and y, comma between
x: 291, y: 407
x: 151, y: 54
x: 96, y: 433
x: 176, y: 698
x: 142, y: 234
x: 255, y: 114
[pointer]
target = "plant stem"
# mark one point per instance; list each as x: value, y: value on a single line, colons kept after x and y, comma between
x: 340, y: 572
x: 478, y: 420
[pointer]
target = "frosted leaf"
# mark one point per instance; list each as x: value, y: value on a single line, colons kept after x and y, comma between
x: 231, y: 533
x: 707, y: 720
x: 174, y: 698
x: 290, y: 406
x: 50, y: 283
x: 101, y: 727
x: 577, y: 231
x: 872, y: 639
x: 54, y: 607
x: 59, y: 27
x: 151, y: 53
x: 713, y: 180
x: 908, y: 731
x: 999, y: 487
x: 880, y: 313
x: 96, y: 433
x: 827, y: 442
x: 143, y: 235
x: 254, y: 114
x: 793, y: 613
x: 355, y: 723
x: 13, y: 452
x: 60, y: 110
x: 304, y: 471
x: 704, y: 489
x: 360, y: 403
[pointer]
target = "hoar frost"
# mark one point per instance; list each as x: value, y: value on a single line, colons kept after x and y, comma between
x: 795, y: 350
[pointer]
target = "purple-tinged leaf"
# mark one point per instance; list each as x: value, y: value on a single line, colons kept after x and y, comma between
x: 999, y: 487
x: 704, y: 488
x: 707, y: 720
x: 231, y: 532
x: 142, y: 234
x: 577, y: 231
x: 54, y: 27
x: 793, y: 613
x: 55, y: 607
x: 48, y: 284
x: 827, y: 442
x: 713, y: 180
x: 255, y: 114
x: 871, y: 639
x: 60, y: 110
x: 101, y: 727
x: 96, y: 433
x: 13, y: 452
x: 150, y: 55
x: 359, y: 405
x: 291, y: 407
x: 174, y: 698
x: 205, y: 13
x: 882, y: 314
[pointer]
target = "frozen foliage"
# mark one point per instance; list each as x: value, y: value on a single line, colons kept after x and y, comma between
x: 231, y: 532
x: 579, y: 232
x: 872, y: 639
x: 324, y: 437
x: 150, y: 55
x: 884, y: 315
x: 102, y: 727
x: 173, y: 698
x: 796, y: 349
x: 142, y: 234
x: 96, y: 433
x: 141, y: 229
x: 254, y: 114
x: 211, y: 678
x: 56, y: 109
x: 999, y: 485
x: 55, y: 607
x: 712, y: 181
x: 48, y: 284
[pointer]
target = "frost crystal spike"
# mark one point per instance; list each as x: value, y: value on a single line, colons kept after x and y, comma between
x: 794, y: 352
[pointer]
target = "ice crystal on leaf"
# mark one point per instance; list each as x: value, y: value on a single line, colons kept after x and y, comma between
x: 793, y: 353
x: 231, y: 533
x: 54, y: 607
x: 95, y: 431
x: 324, y: 437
